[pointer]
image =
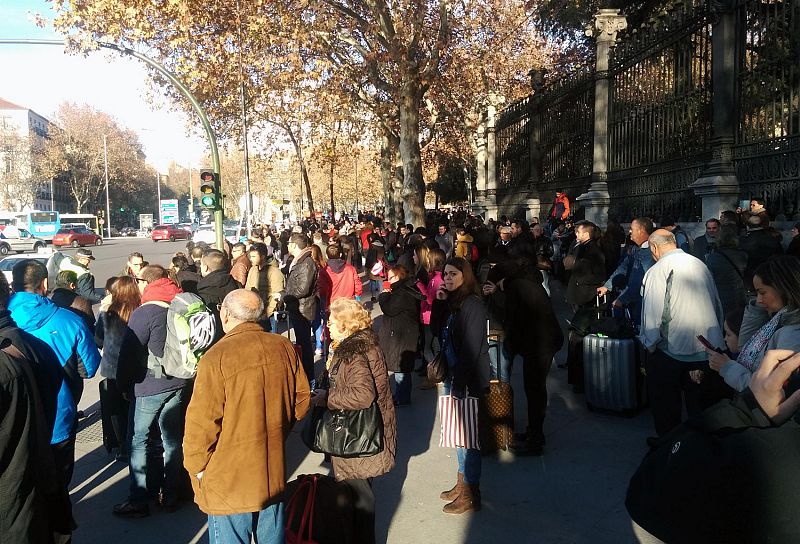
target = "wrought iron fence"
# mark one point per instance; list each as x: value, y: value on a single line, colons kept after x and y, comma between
x: 660, y: 126
x: 767, y: 154
x: 544, y: 141
x: 660, y: 115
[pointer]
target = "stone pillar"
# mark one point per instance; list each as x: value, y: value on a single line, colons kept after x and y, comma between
x: 717, y: 185
x: 533, y: 204
x: 491, y: 155
x: 607, y: 23
x: 479, y: 205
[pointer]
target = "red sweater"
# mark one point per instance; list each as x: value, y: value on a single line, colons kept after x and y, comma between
x: 338, y: 280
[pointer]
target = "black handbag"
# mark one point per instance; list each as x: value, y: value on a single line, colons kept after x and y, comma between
x: 437, y: 369
x: 345, y: 433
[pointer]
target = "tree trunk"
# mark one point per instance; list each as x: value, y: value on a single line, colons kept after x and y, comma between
x: 330, y: 180
x: 397, y: 185
x: 303, y: 171
x: 413, y: 184
x: 386, y: 178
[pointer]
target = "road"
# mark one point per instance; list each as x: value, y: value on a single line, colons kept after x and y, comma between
x: 113, y: 254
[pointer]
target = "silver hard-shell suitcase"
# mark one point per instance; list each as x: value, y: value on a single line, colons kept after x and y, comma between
x: 613, y: 379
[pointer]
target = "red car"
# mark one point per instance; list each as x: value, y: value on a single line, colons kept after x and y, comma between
x: 77, y: 236
x: 169, y: 232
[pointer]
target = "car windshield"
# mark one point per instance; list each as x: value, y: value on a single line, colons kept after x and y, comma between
x: 160, y: 227
x: 8, y: 264
x: 64, y: 231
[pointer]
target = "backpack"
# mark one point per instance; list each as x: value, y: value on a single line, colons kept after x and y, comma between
x: 472, y: 252
x: 191, y: 329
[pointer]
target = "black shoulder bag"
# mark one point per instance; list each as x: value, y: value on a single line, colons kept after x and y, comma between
x: 345, y: 433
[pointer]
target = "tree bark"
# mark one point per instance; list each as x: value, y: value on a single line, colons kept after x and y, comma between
x: 413, y: 192
x: 330, y: 180
x: 397, y: 185
x: 386, y: 178
x: 303, y: 171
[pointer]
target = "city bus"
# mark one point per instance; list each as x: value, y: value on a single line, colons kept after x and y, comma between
x: 41, y: 224
x: 89, y: 220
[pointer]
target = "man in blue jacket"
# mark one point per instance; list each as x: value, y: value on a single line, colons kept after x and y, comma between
x: 633, y: 267
x: 69, y: 338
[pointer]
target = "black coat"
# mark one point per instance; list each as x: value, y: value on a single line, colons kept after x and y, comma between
x: 188, y: 280
x: 759, y: 245
x: 46, y: 365
x: 468, y: 331
x: 724, y: 476
x: 213, y: 288
x: 530, y: 323
x: 300, y: 296
x: 399, y: 333
x: 588, y: 273
x: 27, y: 468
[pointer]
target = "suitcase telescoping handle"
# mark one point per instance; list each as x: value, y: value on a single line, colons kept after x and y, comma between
x: 288, y: 326
x: 600, y: 301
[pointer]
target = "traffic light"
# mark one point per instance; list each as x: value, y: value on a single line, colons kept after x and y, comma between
x: 209, y: 190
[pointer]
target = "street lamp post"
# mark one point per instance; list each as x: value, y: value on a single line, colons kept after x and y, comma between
x: 108, y: 202
x: 158, y: 187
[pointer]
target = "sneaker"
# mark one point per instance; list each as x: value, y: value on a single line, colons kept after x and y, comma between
x: 128, y: 509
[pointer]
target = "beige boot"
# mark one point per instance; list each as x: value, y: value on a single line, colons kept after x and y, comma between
x: 468, y: 501
x: 453, y: 494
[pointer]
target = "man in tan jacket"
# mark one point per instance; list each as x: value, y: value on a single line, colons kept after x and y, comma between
x: 249, y: 392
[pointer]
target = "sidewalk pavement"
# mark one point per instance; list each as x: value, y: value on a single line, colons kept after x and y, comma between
x: 574, y: 493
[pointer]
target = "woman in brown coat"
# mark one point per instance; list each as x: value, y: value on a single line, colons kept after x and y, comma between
x: 358, y: 377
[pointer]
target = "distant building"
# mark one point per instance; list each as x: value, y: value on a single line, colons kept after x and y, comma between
x: 22, y: 131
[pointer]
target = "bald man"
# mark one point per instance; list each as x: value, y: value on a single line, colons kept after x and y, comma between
x: 249, y: 392
x: 679, y: 302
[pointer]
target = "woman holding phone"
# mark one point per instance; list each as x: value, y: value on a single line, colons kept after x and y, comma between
x: 466, y: 349
x: 772, y: 321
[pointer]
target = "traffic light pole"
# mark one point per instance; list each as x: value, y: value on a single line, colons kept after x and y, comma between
x: 198, y: 109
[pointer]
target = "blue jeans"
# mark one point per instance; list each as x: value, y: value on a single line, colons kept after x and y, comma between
x: 302, y: 331
x: 168, y: 411
x: 402, y: 387
x: 264, y: 527
x: 469, y: 459
x: 500, y: 370
x: 317, y: 326
x: 376, y: 286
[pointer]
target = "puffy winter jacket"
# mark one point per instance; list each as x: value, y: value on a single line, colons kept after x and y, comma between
x: 72, y: 343
x: 301, y: 287
x: 339, y: 280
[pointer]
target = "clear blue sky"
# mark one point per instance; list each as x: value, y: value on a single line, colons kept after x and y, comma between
x: 41, y: 77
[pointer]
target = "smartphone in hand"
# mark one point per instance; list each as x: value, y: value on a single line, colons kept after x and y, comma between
x: 703, y: 340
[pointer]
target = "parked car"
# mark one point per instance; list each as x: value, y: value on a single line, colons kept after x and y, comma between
x: 204, y: 233
x: 7, y: 264
x: 169, y: 232
x: 77, y: 236
x: 127, y: 231
x: 20, y: 240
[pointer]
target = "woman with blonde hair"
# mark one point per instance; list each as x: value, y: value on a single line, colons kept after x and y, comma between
x: 358, y: 378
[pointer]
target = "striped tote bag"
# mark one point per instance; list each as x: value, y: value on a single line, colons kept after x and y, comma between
x: 459, y: 422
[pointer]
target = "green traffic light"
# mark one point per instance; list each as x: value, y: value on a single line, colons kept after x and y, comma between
x: 207, y: 201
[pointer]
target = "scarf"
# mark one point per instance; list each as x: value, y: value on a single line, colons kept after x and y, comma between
x: 331, y: 351
x: 753, y: 350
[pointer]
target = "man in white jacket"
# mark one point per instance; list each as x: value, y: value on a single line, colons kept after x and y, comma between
x: 679, y: 303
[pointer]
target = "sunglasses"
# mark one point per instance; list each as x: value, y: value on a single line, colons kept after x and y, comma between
x: 141, y: 280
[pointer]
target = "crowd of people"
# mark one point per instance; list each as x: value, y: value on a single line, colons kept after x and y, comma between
x: 477, y: 294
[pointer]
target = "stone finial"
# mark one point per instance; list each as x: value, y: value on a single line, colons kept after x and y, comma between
x: 607, y: 23
x: 537, y: 76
